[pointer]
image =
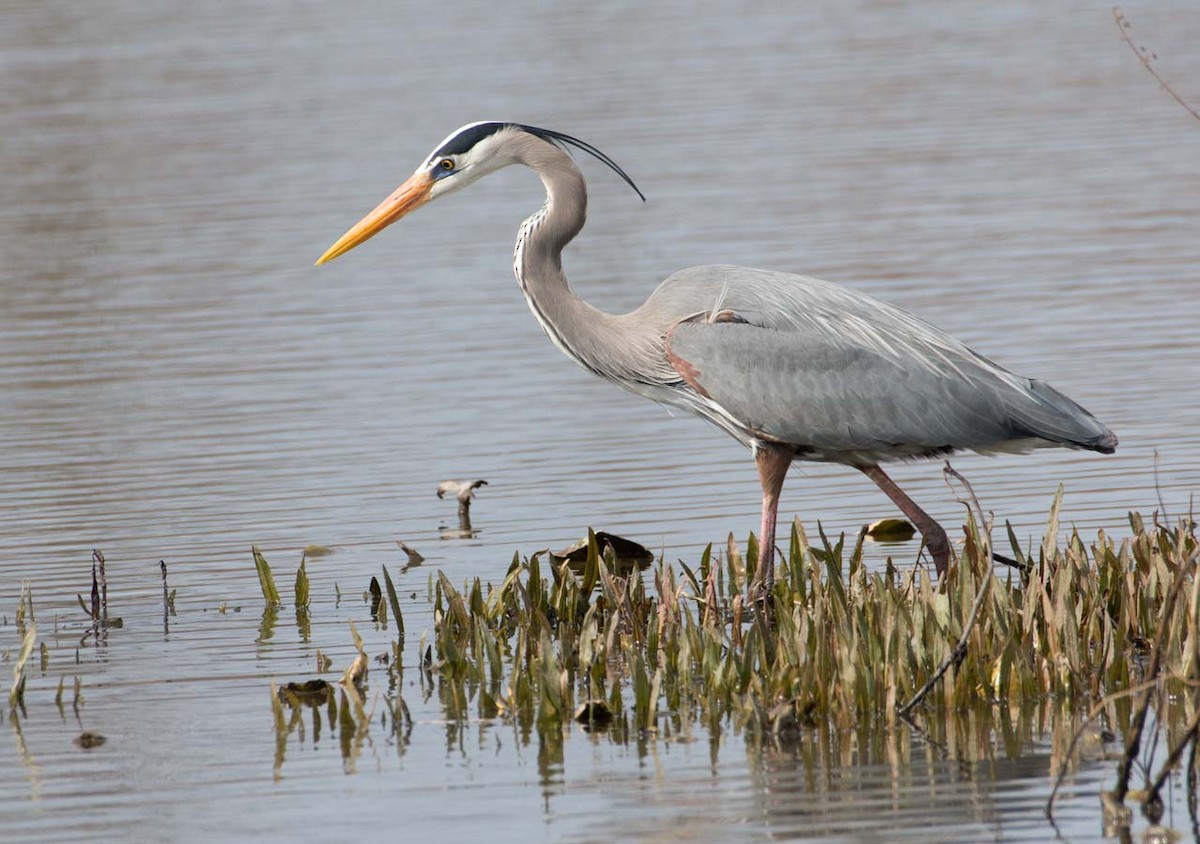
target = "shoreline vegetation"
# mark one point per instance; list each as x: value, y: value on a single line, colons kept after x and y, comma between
x: 1104, y: 631
x: 1091, y: 642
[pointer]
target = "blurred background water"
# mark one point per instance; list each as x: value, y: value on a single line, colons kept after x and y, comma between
x: 179, y: 382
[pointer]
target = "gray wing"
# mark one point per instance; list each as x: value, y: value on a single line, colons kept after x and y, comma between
x: 846, y: 377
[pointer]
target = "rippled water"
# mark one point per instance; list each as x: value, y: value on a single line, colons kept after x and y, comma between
x: 179, y: 382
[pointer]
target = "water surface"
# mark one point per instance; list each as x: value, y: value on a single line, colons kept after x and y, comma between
x: 179, y: 382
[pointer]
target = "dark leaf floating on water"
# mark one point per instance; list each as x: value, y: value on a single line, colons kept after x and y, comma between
x: 627, y: 554
x: 87, y: 740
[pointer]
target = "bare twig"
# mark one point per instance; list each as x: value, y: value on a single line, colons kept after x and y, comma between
x: 98, y: 560
x: 923, y: 734
x: 1024, y: 568
x: 94, y: 611
x: 1146, y: 58
x: 1189, y: 738
x: 949, y: 472
x: 162, y: 565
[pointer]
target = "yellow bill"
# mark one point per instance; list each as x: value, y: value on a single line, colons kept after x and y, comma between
x: 411, y: 195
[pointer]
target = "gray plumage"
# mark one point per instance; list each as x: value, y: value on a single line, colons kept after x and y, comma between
x: 850, y: 379
x: 793, y: 367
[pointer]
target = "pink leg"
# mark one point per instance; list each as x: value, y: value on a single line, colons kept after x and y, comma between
x: 931, y: 531
x: 773, y: 462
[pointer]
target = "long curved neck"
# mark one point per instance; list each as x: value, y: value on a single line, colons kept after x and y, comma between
x: 585, y: 334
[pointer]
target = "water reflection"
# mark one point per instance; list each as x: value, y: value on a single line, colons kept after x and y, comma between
x: 951, y: 775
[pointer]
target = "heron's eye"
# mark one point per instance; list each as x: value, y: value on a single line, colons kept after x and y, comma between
x: 446, y: 164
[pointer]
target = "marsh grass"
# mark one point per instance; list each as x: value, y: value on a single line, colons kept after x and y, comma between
x: 1080, y: 623
x: 266, y: 580
x: 27, y: 630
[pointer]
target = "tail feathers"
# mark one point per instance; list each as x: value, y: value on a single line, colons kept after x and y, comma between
x: 1052, y: 416
x: 1107, y: 443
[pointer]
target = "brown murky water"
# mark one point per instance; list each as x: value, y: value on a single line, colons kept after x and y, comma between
x: 179, y: 382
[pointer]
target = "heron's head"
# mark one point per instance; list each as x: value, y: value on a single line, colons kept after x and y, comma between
x: 466, y: 155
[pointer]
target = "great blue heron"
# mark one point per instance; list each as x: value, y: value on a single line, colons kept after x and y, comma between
x: 793, y: 367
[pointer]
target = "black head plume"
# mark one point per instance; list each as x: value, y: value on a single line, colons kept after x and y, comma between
x: 467, y: 137
x: 565, y: 141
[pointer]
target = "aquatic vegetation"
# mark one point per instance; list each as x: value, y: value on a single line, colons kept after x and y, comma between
x: 394, y: 601
x: 1077, y: 622
x: 301, y: 586
x: 27, y: 630
x: 265, y: 579
x: 1094, y: 643
x: 98, y: 609
x: 839, y: 642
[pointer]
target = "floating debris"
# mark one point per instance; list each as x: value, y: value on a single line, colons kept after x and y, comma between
x: 624, y: 555
x: 87, y: 740
x: 464, y: 491
x: 414, y: 556
x: 308, y: 692
x: 891, y: 530
x: 168, y: 598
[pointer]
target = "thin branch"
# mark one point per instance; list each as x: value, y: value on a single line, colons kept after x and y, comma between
x: 1173, y: 757
x: 1145, y: 58
x: 948, y: 472
x: 924, y: 734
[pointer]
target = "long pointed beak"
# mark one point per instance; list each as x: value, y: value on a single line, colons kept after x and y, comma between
x: 409, y: 196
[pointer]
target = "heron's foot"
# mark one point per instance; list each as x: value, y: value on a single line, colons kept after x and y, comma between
x: 763, y: 583
x: 762, y: 598
x: 760, y: 589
